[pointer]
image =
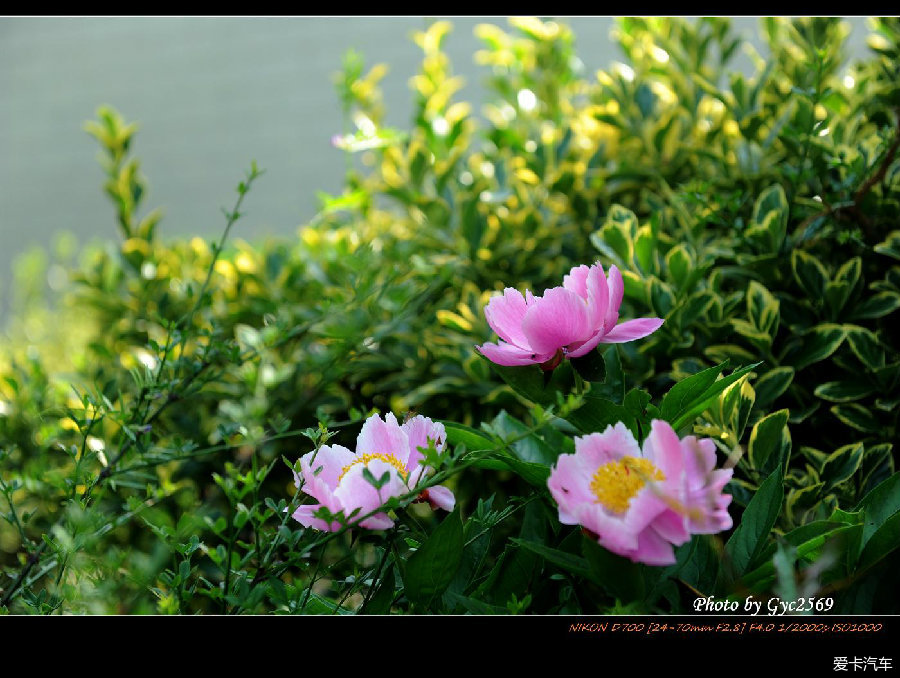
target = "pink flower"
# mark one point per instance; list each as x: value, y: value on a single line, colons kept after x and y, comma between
x: 640, y: 503
x: 567, y: 322
x: 334, y: 476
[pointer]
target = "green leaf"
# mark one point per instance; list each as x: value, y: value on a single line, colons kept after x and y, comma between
x: 681, y: 395
x: 888, y: 377
x: 380, y: 602
x: 836, y: 294
x: 801, y: 500
x: 520, y: 569
x: 723, y: 352
x: 768, y: 224
x: 613, y: 386
x: 817, y: 344
x: 857, y: 417
x: 876, y: 306
x: 562, y: 559
x: 890, y: 246
x: 591, y: 367
x: 690, y: 397
x: 431, y: 568
x: 459, y: 434
x: 637, y: 401
x: 616, y: 237
x: 850, y: 272
x: 838, y: 291
x: 696, y: 305
x: 532, y: 383
x: 809, y: 541
x: 877, y: 466
x: 533, y: 474
x: 474, y: 605
x: 598, y: 413
x: 737, y: 403
x: 478, y: 540
x: 377, y: 483
x: 319, y: 605
x: 756, y: 523
x: 772, y: 384
x: 847, y: 517
x: 770, y: 443
x: 620, y: 576
x: 762, y: 309
x: 843, y: 391
x: 748, y: 331
x: 679, y: 263
x: 473, y: 224
x: 644, y: 249
x: 840, y: 465
x: 662, y: 298
x: 880, y: 504
x: 636, y: 287
x: 865, y: 346
x: 810, y: 275
x: 884, y: 540
x: 700, y: 563
x: 530, y: 448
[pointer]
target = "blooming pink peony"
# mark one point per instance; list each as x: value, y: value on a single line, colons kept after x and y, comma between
x: 637, y: 502
x: 334, y: 476
x: 567, y: 322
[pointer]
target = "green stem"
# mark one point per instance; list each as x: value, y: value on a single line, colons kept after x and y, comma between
x: 228, y: 553
x: 579, y: 383
x: 314, y: 577
x: 381, y: 562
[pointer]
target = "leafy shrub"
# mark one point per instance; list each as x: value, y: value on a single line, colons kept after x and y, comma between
x: 146, y: 408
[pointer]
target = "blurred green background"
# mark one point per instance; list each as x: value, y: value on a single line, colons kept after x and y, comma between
x: 210, y: 95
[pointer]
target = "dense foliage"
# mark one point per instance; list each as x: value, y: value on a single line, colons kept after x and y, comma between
x: 153, y: 408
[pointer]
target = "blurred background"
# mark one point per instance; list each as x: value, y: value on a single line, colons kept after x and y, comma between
x: 210, y: 94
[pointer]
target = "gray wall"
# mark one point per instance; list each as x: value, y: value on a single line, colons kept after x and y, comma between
x: 211, y: 94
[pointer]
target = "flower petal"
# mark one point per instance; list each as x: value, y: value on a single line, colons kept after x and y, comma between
x: 504, y: 313
x: 653, y: 549
x: 616, y: 288
x: 380, y: 521
x: 611, y: 445
x: 586, y: 347
x: 631, y: 330
x: 383, y: 437
x: 317, y: 487
x: 558, y: 319
x: 327, y: 464
x: 699, y: 459
x: 576, y: 281
x: 356, y: 492
x: 440, y: 497
x: 598, y: 299
x: 663, y: 447
x: 644, y: 508
x: 304, y: 516
x: 569, y: 484
x: 611, y: 531
x: 670, y: 525
x: 708, y: 506
x: 419, y: 430
x: 502, y: 353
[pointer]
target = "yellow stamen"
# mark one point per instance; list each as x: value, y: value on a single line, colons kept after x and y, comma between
x: 366, y: 458
x: 615, y: 483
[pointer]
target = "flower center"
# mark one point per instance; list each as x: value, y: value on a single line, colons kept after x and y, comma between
x: 366, y: 458
x: 615, y: 483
